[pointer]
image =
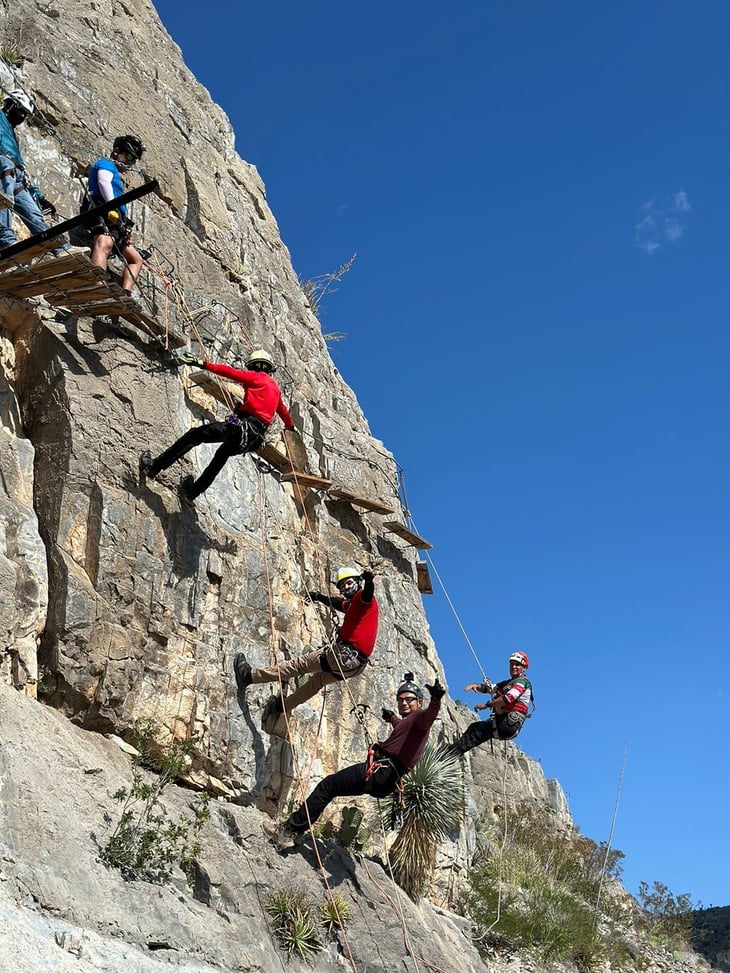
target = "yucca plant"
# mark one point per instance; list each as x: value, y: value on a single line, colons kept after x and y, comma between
x: 294, y: 924
x: 334, y: 913
x: 299, y: 935
x: 433, y: 798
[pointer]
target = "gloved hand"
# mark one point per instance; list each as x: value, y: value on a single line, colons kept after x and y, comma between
x: 367, y: 575
x: 314, y: 596
x: 191, y: 359
x: 388, y: 715
x: 436, y: 691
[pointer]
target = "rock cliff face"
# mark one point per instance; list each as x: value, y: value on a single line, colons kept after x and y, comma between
x: 120, y: 603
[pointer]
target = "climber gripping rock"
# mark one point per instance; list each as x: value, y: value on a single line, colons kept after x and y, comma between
x: 244, y: 429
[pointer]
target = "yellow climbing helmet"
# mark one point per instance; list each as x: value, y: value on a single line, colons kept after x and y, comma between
x: 348, y: 571
x: 261, y: 358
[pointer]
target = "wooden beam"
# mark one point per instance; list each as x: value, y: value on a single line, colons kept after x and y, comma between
x: 376, y: 507
x: 6, y: 202
x: 274, y: 457
x: 402, y: 531
x: 423, y: 578
x: 48, y: 239
x: 306, y: 480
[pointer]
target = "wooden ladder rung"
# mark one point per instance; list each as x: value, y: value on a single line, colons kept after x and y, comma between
x: 306, y: 480
x: 274, y: 457
x: 402, y: 531
x: 375, y: 506
x: 423, y: 578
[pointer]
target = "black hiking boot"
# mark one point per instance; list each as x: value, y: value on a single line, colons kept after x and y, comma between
x: 242, y: 671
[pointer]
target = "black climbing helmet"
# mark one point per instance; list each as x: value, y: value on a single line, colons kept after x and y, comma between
x: 409, y: 686
x: 130, y: 145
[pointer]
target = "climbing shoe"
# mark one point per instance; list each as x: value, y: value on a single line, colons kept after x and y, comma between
x: 282, y: 835
x: 146, y: 465
x: 242, y: 671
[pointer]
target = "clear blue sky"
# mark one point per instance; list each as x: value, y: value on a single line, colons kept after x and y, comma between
x: 537, y: 321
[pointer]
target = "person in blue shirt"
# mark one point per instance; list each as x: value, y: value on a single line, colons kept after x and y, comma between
x: 28, y: 201
x: 113, y: 231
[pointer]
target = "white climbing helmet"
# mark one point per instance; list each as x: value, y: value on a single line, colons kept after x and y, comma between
x: 20, y: 98
x: 521, y: 659
x: 262, y: 359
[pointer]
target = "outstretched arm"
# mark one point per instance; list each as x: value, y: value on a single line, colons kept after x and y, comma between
x: 336, y: 603
x: 368, y: 588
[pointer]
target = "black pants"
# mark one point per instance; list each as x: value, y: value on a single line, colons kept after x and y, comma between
x: 506, y: 726
x: 349, y: 782
x: 234, y: 440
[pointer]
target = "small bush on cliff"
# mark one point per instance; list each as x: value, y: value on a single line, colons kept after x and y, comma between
x: 537, y: 885
x: 145, y: 843
x: 669, y: 916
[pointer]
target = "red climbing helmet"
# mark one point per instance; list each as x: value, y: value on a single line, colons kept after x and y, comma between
x: 521, y: 659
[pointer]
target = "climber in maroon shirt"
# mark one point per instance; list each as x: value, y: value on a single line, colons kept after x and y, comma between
x: 346, y: 657
x: 242, y: 431
x: 386, y: 763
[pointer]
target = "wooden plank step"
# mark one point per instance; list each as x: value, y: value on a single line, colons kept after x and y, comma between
x: 402, y: 531
x: 375, y: 506
x: 214, y: 386
x: 82, y: 295
x: 6, y: 202
x: 56, y: 287
x: 31, y: 253
x: 424, y: 578
x: 145, y: 322
x: 306, y: 480
x: 275, y: 458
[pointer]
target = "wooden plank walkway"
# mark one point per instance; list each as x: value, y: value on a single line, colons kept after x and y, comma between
x: 70, y: 281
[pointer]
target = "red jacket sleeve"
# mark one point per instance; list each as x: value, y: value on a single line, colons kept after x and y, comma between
x: 283, y: 413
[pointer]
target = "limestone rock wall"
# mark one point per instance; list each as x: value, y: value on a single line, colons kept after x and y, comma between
x: 121, y: 603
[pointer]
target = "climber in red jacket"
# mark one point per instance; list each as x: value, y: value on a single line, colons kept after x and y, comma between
x: 346, y: 657
x: 242, y: 431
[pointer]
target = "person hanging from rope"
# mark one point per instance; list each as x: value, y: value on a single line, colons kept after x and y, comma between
x: 113, y: 231
x: 510, y: 703
x: 381, y: 772
x: 242, y: 431
x: 348, y: 655
x: 28, y: 201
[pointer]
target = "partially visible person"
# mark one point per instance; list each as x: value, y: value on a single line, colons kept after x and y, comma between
x: 28, y: 201
x: 510, y: 704
x: 113, y: 231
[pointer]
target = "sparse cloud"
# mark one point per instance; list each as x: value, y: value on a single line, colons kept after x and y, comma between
x: 663, y: 222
